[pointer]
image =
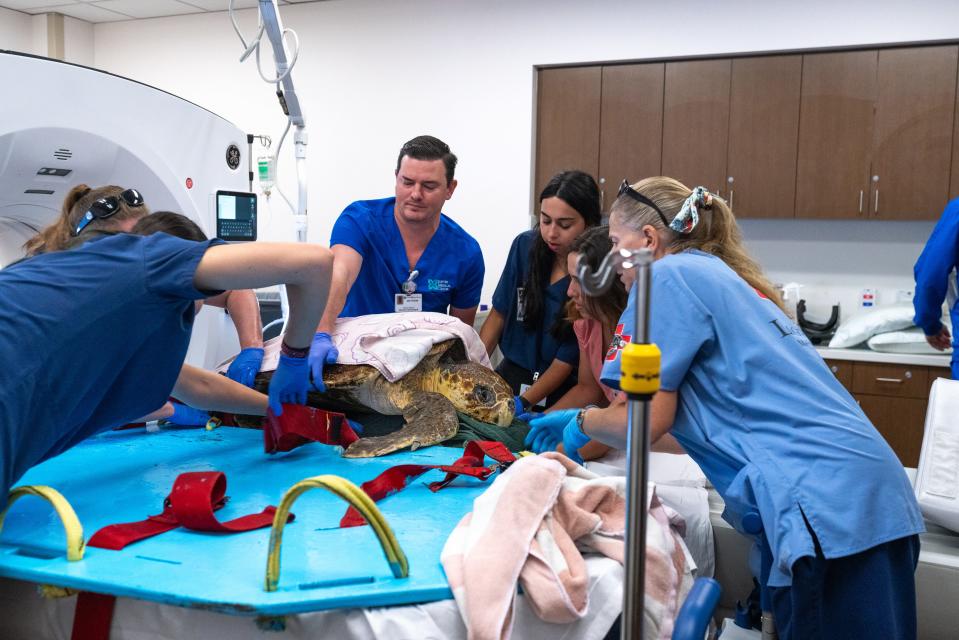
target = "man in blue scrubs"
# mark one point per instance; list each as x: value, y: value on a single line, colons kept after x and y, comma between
x: 935, y: 273
x: 402, y: 253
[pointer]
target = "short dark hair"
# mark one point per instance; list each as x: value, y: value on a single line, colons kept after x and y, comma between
x: 429, y: 148
x: 175, y: 224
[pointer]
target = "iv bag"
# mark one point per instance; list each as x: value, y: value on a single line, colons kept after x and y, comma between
x: 265, y: 170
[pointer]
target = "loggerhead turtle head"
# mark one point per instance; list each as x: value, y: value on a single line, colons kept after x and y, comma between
x: 477, y: 391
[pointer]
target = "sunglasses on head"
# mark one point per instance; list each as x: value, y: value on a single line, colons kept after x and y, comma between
x: 638, y: 197
x: 106, y: 207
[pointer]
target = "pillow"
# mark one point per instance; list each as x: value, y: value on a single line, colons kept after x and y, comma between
x: 908, y: 341
x: 862, y: 327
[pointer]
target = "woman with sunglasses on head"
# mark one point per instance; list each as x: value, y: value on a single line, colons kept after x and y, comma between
x: 86, y: 209
x: 527, y: 319
x: 94, y: 336
x: 752, y: 402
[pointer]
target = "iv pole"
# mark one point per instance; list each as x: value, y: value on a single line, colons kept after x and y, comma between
x: 639, y: 378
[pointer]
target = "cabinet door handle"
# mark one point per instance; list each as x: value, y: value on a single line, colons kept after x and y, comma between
x: 860, y: 201
x: 602, y: 199
x: 876, y: 207
x: 907, y: 375
x: 732, y: 193
x: 834, y: 369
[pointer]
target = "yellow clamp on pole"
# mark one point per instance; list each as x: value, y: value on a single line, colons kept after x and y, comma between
x: 640, y: 369
x: 71, y: 524
x: 357, y: 498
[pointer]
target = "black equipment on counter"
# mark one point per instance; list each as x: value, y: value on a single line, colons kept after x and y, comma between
x: 817, y: 333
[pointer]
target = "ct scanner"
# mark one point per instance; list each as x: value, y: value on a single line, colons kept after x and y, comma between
x: 80, y: 125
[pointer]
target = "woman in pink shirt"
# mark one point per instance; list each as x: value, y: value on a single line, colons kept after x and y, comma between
x: 594, y: 322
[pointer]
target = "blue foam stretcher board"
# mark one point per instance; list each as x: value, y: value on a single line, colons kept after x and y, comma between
x: 123, y: 476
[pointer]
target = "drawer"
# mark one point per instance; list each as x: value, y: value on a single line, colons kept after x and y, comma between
x: 904, y: 381
x: 842, y: 369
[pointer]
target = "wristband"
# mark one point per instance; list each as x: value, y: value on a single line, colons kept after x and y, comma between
x: 293, y: 352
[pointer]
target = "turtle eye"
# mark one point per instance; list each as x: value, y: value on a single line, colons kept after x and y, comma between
x: 483, y: 394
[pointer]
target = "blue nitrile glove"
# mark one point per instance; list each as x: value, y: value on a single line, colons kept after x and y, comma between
x: 355, y: 426
x: 245, y: 366
x: 546, y: 432
x: 322, y: 352
x: 188, y: 416
x: 290, y: 382
x: 573, y: 439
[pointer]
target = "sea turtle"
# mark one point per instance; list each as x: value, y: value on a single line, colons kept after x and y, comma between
x: 445, y: 381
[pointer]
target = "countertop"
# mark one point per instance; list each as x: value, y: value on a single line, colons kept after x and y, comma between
x: 868, y: 355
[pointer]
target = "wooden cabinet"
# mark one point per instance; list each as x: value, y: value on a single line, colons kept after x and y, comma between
x: 835, y: 134
x: 631, y: 137
x: 696, y: 122
x: 763, y: 136
x: 567, y: 122
x: 869, y: 134
x: 913, y: 132
x: 894, y: 398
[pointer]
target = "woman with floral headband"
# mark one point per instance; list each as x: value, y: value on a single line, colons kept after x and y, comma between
x: 749, y: 398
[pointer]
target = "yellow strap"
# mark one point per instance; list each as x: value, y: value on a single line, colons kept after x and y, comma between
x: 356, y: 497
x: 71, y: 524
x: 213, y: 423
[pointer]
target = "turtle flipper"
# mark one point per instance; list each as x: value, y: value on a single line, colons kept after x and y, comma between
x: 430, y: 419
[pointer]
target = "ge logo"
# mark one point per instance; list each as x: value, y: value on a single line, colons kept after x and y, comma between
x: 233, y: 156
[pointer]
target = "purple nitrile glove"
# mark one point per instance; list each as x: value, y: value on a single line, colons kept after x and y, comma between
x: 187, y: 416
x: 322, y: 352
x: 245, y: 366
x: 290, y: 382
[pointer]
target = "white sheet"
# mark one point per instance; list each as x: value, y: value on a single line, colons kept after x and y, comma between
x: 26, y: 614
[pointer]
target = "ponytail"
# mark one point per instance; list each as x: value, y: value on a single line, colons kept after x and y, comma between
x: 696, y: 219
x: 59, y: 235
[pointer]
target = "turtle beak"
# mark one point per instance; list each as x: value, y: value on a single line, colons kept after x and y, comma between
x: 505, y: 413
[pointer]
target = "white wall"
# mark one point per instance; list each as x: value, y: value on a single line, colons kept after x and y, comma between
x: 15, y: 31
x: 374, y: 73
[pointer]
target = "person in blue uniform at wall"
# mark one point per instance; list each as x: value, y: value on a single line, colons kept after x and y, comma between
x: 402, y: 253
x: 748, y: 397
x: 242, y: 305
x: 94, y: 336
x: 528, y: 319
x: 935, y: 274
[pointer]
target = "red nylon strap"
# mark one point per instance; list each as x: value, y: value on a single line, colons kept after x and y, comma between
x: 397, y: 478
x: 191, y: 503
x: 300, y: 424
x: 93, y: 616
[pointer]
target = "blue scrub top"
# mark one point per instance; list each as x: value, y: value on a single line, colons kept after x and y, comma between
x: 934, y: 269
x: 532, y: 350
x: 90, y: 339
x: 769, y: 424
x: 451, y: 268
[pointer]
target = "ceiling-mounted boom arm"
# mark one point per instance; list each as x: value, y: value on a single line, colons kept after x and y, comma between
x: 273, y: 26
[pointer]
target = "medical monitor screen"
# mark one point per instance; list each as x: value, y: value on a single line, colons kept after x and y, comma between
x: 235, y: 216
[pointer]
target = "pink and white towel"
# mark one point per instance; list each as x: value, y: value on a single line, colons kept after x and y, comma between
x: 530, y: 526
x: 393, y: 343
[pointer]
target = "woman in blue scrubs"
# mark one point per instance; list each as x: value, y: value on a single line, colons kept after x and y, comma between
x: 527, y: 320
x: 94, y: 336
x: 242, y: 305
x: 748, y: 397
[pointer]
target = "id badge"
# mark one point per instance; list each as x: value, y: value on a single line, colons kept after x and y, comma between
x: 408, y: 302
x: 522, y: 390
x: 520, y: 304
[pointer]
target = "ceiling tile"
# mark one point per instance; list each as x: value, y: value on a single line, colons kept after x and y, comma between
x: 222, y: 5
x: 147, y: 8
x: 84, y: 11
x: 33, y: 6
